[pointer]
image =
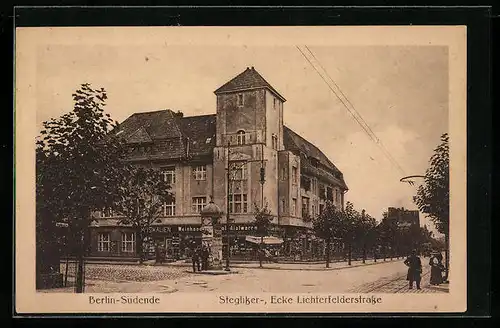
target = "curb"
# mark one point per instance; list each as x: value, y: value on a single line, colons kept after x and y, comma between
x: 318, y: 269
x: 212, y: 272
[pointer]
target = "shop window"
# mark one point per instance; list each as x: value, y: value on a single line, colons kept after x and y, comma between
x: 128, y: 242
x: 103, y: 242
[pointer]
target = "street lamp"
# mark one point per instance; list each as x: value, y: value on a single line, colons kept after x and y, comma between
x: 235, y: 167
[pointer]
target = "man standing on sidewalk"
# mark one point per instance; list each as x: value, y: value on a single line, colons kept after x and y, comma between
x: 196, y: 259
x: 414, y: 269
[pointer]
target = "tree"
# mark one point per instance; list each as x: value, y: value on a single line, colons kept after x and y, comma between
x: 367, y: 228
x: 328, y: 225
x: 351, y: 230
x: 143, y: 192
x: 263, y: 219
x: 387, y: 231
x: 78, y: 166
x: 432, y: 197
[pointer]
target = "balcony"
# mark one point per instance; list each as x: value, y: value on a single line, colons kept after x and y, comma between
x: 250, y: 137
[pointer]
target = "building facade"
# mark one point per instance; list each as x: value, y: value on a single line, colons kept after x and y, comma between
x: 269, y: 165
x: 404, y: 217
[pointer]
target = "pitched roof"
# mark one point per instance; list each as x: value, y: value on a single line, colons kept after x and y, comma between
x: 201, y: 133
x: 297, y: 144
x: 150, y: 125
x: 139, y: 136
x: 248, y: 79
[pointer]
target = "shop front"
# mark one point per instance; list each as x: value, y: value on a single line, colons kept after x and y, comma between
x: 172, y: 243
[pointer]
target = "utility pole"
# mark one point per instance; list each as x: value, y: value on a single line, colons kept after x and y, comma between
x: 228, y: 209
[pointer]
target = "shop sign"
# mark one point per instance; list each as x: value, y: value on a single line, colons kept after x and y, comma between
x: 163, y: 229
x: 189, y: 229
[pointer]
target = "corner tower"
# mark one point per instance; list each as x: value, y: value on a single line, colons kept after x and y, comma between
x: 250, y: 129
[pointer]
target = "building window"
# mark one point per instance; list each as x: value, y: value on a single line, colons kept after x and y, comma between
x: 239, y: 171
x: 294, y: 206
x: 238, y: 203
x: 200, y: 172
x: 275, y: 141
x: 294, y: 175
x: 103, y: 242
x: 169, y: 174
x: 128, y: 241
x: 329, y: 193
x: 283, y: 204
x: 305, y: 206
x: 275, y: 103
x: 321, y: 207
x: 240, y: 137
x: 283, y: 173
x: 169, y: 208
x: 314, y: 185
x: 240, y: 99
x: 198, y: 203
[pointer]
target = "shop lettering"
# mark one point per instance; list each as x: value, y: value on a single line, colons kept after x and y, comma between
x: 160, y: 229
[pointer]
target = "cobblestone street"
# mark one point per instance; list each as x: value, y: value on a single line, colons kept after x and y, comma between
x: 380, y: 277
x: 397, y: 283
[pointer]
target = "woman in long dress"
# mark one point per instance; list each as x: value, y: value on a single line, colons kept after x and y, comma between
x: 436, y: 269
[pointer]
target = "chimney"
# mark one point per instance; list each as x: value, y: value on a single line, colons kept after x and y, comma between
x: 179, y: 114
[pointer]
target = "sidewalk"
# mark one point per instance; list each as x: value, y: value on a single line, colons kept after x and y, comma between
x: 293, y: 266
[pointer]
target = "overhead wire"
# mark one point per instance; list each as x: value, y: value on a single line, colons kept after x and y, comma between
x: 352, y: 110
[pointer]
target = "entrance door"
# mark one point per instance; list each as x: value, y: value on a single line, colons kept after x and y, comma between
x: 168, y: 247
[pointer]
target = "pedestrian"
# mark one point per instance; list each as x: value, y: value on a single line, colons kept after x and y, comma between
x: 436, y: 265
x: 204, y: 256
x: 196, y: 259
x: 414, y: 269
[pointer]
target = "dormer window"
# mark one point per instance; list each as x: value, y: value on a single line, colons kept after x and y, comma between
x: 240, y: 137
x: 240, y: 100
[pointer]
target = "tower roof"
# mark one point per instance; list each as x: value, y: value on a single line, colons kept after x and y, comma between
x: 248, y: 79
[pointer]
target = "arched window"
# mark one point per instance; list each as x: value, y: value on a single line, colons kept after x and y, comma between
x: 240, y: 137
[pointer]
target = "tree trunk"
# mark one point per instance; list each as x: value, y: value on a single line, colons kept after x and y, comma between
x: 261, y: 251
x: 374, y: 255
x: 447, y: 255
x: 364, y: 253
x: 140, y: 251
x: 80, y: 265
x: 327, y: 253
x: 349, y: 253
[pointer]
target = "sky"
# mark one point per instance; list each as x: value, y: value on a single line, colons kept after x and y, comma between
x: 401, y: 91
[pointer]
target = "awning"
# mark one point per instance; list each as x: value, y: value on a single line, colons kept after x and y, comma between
x: 268, y: 240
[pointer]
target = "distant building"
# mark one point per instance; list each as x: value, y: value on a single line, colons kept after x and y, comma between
x: 404, y: 217
x: 193, y: 151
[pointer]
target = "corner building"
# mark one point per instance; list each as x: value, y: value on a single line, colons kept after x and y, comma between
x: 247, y: 133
